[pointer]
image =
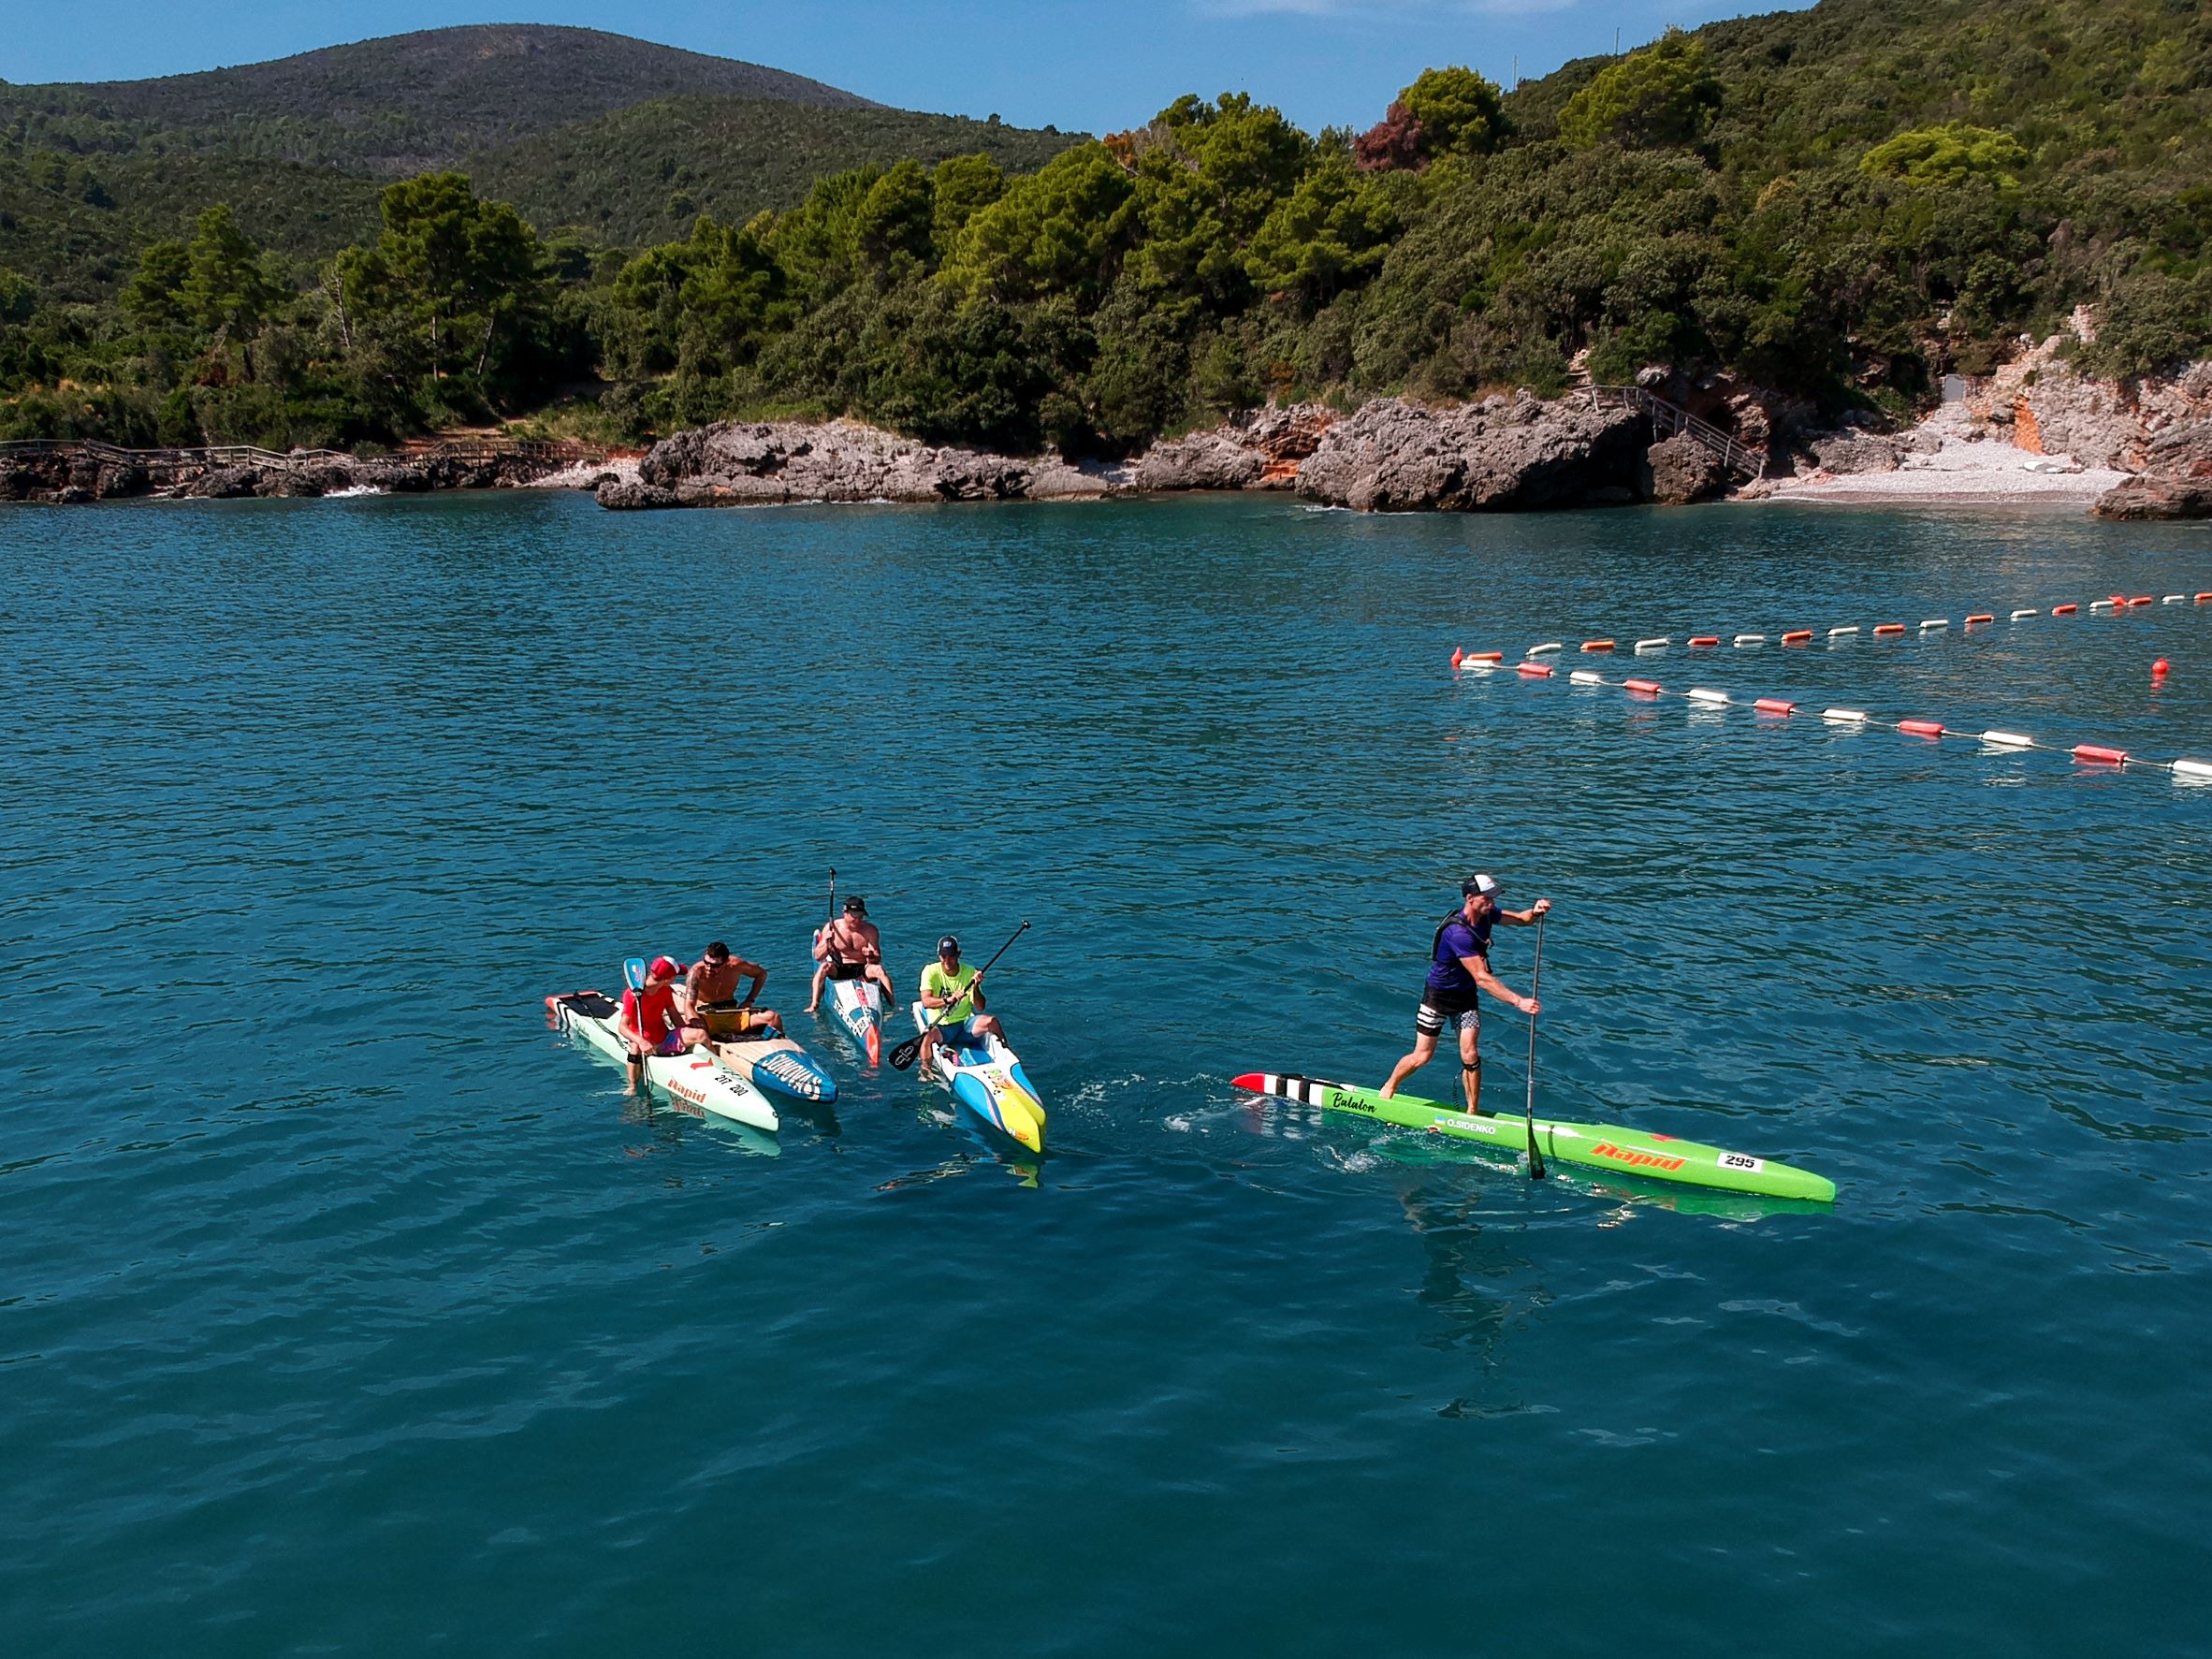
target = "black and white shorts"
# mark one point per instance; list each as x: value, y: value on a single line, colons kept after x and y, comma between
x: 1457, y: 1010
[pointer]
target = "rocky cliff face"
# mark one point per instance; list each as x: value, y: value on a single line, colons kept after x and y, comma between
x: 1684, y: 470
x: 737, y: 463
x: 1500, y: 455
x: 2175, y: 481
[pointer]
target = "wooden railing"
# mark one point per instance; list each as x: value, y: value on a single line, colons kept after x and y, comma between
x: 240, y: 455
x: 219, y: 455
x: 1671, y: 418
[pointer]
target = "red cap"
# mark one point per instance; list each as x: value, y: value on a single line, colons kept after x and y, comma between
x: 662, y: 969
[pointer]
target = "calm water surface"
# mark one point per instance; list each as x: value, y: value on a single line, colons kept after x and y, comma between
x: 344, y: 1309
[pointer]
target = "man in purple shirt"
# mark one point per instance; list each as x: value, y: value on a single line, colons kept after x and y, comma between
x: 1459, y: 971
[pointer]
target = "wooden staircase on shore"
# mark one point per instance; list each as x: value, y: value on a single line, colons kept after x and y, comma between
x: 1671, y: 418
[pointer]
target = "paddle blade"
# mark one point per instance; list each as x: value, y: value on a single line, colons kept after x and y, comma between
x: 633, y: 972
x: 903, y: 1056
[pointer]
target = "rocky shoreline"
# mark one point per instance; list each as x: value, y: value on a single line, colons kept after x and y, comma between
x: 1501, y: 455
x: 2036, y: 430
x: 71, y: 475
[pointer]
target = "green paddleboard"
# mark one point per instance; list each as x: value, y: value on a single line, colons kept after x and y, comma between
x: 1605, y: 1147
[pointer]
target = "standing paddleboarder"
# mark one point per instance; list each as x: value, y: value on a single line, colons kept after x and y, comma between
x: 1459, y: 971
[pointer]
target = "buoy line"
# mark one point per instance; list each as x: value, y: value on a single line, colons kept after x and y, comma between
x: 1780, y: 708
x: 2118, y: 604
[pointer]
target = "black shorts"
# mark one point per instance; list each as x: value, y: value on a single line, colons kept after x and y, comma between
x: 1458, y: 1009
x: 847, y: 970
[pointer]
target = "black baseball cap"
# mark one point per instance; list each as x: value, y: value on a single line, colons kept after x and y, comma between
x: 948, y: 945
x: 1478, y: 885
x: 856, y: 906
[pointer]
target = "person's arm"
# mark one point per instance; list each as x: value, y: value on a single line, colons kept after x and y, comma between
x: 759, y: 976
x: 1495, y: 987
x: 933, y: 994
x: 975, y: 991
x: 1524, y: 918
x: 822, y: 946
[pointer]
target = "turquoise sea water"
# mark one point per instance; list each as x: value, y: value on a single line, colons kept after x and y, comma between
x: 344, y: 1309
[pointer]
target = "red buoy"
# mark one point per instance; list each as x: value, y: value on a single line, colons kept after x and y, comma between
x: 1455, y: 659
x: 2158, y: 669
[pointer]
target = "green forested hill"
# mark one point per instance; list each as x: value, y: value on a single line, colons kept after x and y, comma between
x: 398, y: 104
x: 1842, y: 203
x: 619, y: 139
x: 644, y: 173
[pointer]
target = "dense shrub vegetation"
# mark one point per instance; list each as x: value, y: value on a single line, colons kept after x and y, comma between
x: 1846, y: 202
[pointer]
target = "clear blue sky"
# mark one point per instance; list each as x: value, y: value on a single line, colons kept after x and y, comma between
x: 1082, y: 65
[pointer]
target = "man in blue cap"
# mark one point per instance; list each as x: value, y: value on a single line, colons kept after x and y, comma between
x: 1459, y: 970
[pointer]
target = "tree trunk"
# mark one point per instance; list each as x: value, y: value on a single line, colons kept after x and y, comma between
x: 484, y: 355
x: 334, y: 286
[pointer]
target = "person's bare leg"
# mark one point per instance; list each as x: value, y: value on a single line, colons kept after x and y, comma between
x: 814, y: 996
x: 1424, y: 1050
x: 1471, y: 1068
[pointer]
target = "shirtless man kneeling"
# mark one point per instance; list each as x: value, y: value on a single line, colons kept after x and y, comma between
x: 711, y: 988
x: 850, y: 948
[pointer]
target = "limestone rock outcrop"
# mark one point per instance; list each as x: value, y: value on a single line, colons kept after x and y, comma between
x: 1501, y: 455
x: 1684, y: 470
x: 740, y: 463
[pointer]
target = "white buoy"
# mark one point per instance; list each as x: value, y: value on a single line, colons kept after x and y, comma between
x: 1840, y: 633
x: 2017, y: 615
x: 1550, y: 645
x: 1652, y: 645
x: 2198, y: 771
x: 1936, y: 622
x: 1706, y: 694
x: 1751, y: 639
x: 1844, y: 717
x: 2175, y: 599
x: 1586, y: 676
x: 2008, y: 739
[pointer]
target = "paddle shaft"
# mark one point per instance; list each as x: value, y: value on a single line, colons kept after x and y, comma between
x: 633, y: 972
x: 1535, y: 982
x: 903, y: 1056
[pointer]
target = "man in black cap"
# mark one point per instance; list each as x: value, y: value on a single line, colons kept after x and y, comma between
x: 850, y: 948
x: 1459, y: 970
x: 956, y: 995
